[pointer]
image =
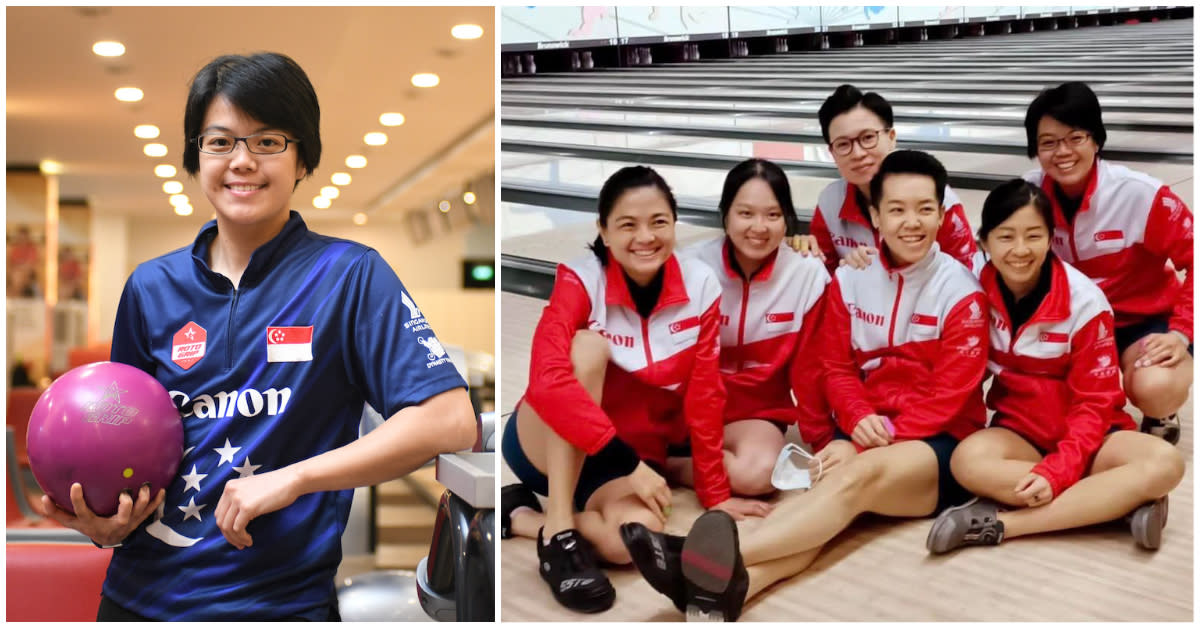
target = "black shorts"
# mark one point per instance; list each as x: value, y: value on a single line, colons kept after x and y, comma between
x: 596, y: 471
x: 1130, y: 334
x: 1112, y: 429
x: 950, y: 492
x: 684, y: 449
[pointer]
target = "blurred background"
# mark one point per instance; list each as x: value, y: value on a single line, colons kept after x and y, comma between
x: 95, y: 186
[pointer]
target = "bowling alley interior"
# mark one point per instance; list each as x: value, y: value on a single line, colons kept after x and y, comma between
x: 96, y: 186
x: 692, y: 91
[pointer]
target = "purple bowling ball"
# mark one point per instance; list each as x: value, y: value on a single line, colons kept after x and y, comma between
x: 108, y: 426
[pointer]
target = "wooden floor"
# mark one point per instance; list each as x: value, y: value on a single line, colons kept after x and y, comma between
x: 878, y: 570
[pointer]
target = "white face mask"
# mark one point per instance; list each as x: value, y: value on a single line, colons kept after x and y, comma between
x: 791, y: 469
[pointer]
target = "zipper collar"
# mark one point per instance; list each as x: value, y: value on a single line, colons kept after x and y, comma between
x: 262, y: 260
x: 617, y: 293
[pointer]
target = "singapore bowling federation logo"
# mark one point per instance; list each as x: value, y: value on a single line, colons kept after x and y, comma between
x: 188, y: 345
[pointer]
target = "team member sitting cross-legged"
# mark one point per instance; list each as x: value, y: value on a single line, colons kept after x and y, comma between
x: 1060, y: 453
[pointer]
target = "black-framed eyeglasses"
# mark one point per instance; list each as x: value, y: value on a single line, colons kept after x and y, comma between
x: 259, y: 143
x: 1074, y: 139
x: 867, y: 139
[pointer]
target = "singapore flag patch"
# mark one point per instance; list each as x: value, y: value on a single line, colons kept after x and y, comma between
x: 289, y: 344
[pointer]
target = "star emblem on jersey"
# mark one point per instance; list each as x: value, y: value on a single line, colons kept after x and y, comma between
x: 192, y: 510
x: 226, y: 452
x: 247, y: 469
x: 188, y: 345
x: 192, y: 480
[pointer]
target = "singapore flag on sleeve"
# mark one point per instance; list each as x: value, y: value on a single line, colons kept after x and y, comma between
x: 289, y: 344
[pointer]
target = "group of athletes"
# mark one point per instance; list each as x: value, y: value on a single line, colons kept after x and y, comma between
x: 874, y: 335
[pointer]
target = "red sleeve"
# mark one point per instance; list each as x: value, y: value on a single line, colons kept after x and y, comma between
x: 704, y: 409
x: 820, y: 230
x: 554, y: 392
x: 1094, y: 380
x: 844, y: 388
x: 955, y: 237
x: 1169, y: 233
x: 957, y: 372
x: 812, y: 412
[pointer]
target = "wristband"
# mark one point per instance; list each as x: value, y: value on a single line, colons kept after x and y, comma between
x: 1186, y: 340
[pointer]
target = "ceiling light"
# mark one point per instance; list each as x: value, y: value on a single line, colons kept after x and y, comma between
x: 391, y: 119
x: 356, y: 161
x: 109, y: 48
x: 360, y: 219
x: 330, y: 192
x: 145, y: 131
x: 166, y: 171
x: 467, y: 31
x: 340, y: 178
x: 183, y: 210
x: 320, y: 202
x: 425, y: 79
x: 172, y: 187
x: 128, y: 94
x: 444, y: 207
x: 469, y: 197
x: 155, y: 150
x: 179, y: 199
x: 375, y: 138
x: 49, y: 166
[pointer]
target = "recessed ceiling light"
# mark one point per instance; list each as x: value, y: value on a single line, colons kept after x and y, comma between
x: 183, y: 210
x: 444, y: 206
x: 166, y: 171
x: 425, y: 79
x: 467, y: 31
x: 128, y: 94
x: 340, y: 178
x: 391, y: 119
x: 145, y: 131
x: 155, y: 150
x: 179, y: 199
x: 356, y: 161
x: 49, y: 166
x: 330, y: 192
x: 320, y: 202
x: 469, y: 197
x: 360, y: 219
x: 375, y: 138
x: 108, y: 48
x: 172, y: 187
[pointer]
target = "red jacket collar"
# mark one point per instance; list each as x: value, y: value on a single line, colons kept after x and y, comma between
x: 764, y: 271
x: 885, y: 258
x: 850, y: 209
x: 1048, y: 187
x: 1055, y: 307
x: 616, y: 292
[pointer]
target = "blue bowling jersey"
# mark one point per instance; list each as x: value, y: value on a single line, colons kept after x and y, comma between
x: 265, y: 375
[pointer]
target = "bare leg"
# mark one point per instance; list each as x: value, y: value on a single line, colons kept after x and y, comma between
x: 1129, y: 469
x: 751, y: 446
x: 900, y: 480
x: 766, y: 574
x: 1156, y: 391
x: 990, y: 462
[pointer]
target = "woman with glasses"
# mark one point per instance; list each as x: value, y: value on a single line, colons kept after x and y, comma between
x: 1060, y: 452
x: 771, y: 300
x: 1131, y: 234
x: 289, y: 333
x: 624, y: 362
x: 858, y: 129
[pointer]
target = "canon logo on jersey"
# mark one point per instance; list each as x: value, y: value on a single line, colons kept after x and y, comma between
x: 245, y: 403
x: 847, y: 241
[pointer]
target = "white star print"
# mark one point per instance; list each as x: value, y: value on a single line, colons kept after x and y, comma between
x: 112, y: 391
x: 193, y: 479
x: 247, y: 469
x: 226, y: 453
x: 191, y: 333
x: 192, y: 510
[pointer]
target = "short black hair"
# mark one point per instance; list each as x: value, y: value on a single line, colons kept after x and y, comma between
x: 1073, y: 104
x: 1008, y: 197
x: 847, y: 97
x: 621, y: 181
x: 774, y: 177
x: 269, y: 87
x: 909, y: 162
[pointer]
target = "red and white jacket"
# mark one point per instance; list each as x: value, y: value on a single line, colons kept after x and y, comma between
x: 1057, y: 379
x: 662, y: 382
x: 909, y: 344
x: 768, y: 327
x: 840, y: 226
x: 1128, y: 225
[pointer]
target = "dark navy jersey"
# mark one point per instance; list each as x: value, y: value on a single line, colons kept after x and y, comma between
x: 269, y: 374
